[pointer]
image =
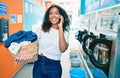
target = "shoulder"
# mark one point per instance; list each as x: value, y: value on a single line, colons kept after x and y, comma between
x: 37, y: 30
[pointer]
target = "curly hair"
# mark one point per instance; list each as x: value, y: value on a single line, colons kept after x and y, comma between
x: 47, y: 24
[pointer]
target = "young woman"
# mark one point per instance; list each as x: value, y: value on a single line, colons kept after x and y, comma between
x: 53, y: 39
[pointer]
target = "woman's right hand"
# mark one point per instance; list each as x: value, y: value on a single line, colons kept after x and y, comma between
x: 61, y: 21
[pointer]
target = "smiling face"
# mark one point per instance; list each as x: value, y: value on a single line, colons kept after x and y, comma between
x: 54, y: 16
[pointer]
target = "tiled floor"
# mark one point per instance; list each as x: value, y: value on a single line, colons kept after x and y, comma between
x: 65, y: 62
x: 24, y: 72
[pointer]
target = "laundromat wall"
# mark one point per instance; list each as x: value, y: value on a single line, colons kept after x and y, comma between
x: 16, y: 21
x: 7, y: 66
x: 33, y: 10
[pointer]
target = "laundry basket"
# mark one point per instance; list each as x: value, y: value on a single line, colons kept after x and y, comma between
x: 73, y: 55
x: 77, y: 73
x: 27, y: 53
x: 75, y: 62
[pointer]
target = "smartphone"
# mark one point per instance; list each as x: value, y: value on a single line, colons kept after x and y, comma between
x: 59, y: 20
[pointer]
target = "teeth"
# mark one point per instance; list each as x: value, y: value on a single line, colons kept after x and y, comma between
x: 53, y: 19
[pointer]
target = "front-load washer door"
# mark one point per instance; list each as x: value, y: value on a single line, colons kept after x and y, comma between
x: 86, y: 42
x: 100, y: 54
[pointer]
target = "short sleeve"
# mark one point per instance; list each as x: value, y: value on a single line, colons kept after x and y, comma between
x: 37, y: 31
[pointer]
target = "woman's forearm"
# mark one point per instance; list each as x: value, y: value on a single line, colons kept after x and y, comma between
x: 63, y: 45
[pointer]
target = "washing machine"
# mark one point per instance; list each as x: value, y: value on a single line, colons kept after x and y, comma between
x: 100, y: 52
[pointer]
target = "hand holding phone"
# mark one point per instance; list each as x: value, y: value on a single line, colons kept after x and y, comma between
x: 61, y: 21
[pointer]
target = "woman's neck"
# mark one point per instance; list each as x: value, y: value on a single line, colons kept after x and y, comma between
x: 55, y: 26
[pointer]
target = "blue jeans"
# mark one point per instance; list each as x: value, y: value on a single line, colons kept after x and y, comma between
x: 47, y: 68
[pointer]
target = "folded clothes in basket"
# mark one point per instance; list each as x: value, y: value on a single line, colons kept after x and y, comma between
x: 26, y: 54
x: 14, y: 47
x: 23, y: 54
x: 21, y: 36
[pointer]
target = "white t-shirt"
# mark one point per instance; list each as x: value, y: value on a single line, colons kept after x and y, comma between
x: 49, y: 43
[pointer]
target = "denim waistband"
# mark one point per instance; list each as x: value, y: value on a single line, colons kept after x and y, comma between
x: 42, y: 56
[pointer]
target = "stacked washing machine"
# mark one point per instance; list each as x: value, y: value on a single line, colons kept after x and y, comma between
x: 98, y: 52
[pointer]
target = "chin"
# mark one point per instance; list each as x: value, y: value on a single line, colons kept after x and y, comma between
x: 54, y: 23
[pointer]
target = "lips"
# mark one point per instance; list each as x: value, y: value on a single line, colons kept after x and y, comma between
x: 54, y: 20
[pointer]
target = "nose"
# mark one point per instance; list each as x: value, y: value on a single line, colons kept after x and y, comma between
x: 53, y: 15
